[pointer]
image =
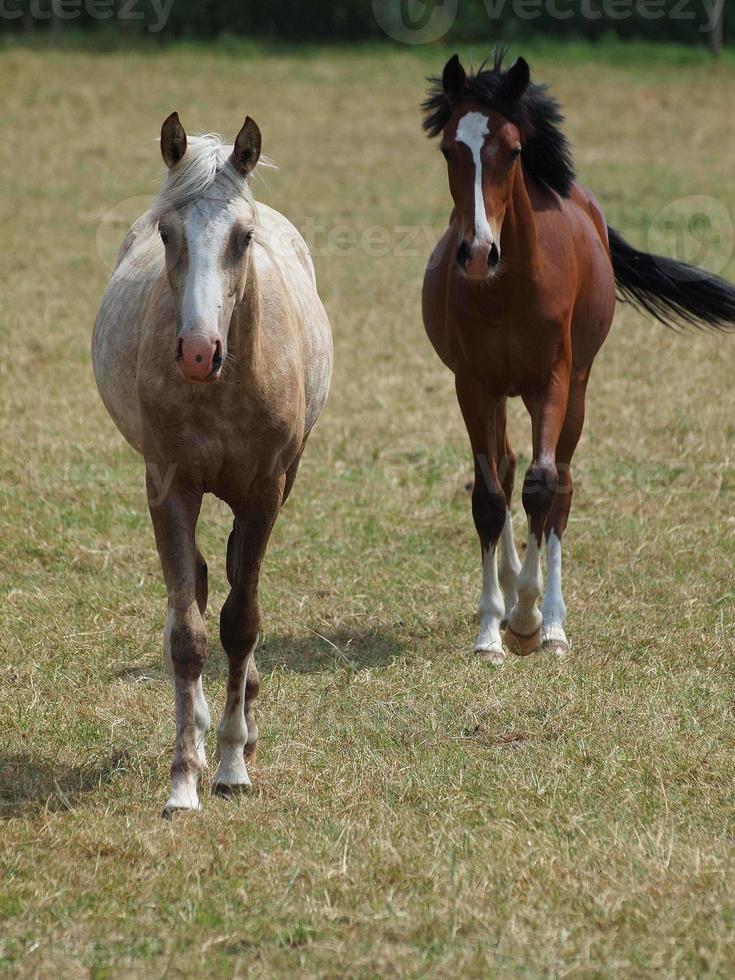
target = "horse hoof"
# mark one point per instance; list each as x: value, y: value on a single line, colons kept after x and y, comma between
x: 522, y: 646
x: 232, y: 777
x: 229, y: 792
x: 560, y: 648
x: 494, y: 657
x: 554, y: 640
x: 170, y: 809
x: 184, y: 795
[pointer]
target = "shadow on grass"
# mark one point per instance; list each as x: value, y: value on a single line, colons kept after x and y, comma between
x: 31, y: 783
x: 334, y: 649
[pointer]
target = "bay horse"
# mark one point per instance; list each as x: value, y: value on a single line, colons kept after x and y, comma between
x: 518, y: 298
x: 213, y: 355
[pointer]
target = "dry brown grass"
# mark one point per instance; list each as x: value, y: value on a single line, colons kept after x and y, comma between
x: 415, y: 814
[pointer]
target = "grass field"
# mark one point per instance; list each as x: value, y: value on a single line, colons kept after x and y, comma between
x: 415, y: 813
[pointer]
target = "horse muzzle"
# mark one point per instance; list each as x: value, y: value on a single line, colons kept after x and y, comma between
x: 478, y: 261
x: 200, y: 357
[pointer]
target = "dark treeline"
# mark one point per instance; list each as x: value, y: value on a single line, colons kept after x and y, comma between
x: 685, y: 21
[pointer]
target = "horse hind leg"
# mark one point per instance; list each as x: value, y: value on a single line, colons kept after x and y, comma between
x: 237, y: 732
x: 510, y: 563
x: 252, y: 689
x: 201, y: 709
x: 548, y: 413
x: 293, y: 471
x: 202, y: 582
x: 553, y: 607
x: 252, y: 679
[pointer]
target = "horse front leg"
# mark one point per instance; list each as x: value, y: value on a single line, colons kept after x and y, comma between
x: 237, y: 732
x: 509, y: 563
x: 489, y: 510
x: 540, y: 485
x: 185, y: 642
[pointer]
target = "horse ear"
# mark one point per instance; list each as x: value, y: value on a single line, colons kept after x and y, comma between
x: 454, y: 78
x: 246, y: 153
x: 173, y: 140
x: 517, y: 80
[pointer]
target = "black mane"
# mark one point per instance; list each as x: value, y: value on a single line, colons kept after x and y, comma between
x: 546, y: 152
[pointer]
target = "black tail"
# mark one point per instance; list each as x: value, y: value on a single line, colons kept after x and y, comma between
x: 675, y: 293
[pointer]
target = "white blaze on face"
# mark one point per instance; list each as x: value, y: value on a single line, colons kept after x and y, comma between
x: 473, y: 130
x: 203, y: 291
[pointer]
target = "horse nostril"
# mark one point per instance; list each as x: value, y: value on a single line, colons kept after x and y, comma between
x: 217, y: 359
x: 464, y: 254
x: 179, y: 356
x: 493, y: 256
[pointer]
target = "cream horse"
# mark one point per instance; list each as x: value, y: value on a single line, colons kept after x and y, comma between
x: 213, y: 355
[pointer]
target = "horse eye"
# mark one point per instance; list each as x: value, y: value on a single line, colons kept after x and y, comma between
x: 517, y: 150
x: 244, y: 239
x: 165, y: 237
